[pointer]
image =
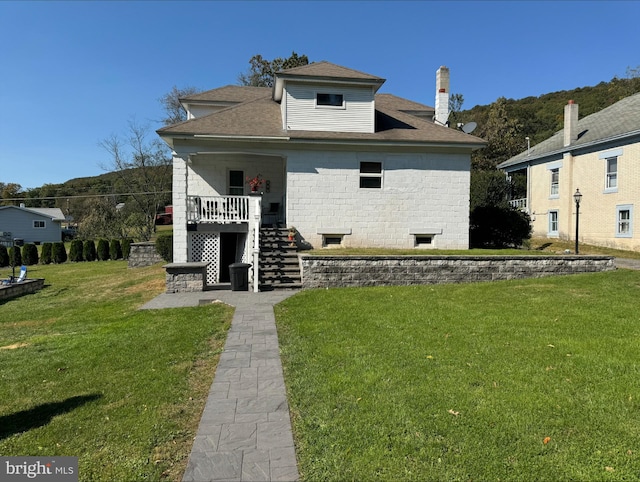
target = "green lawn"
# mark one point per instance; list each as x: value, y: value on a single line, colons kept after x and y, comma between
x: 84, y: 373
x: 518, y: 380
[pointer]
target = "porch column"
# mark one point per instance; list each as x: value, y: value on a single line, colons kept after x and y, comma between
x: 180, y: 245
x: 255, y: 220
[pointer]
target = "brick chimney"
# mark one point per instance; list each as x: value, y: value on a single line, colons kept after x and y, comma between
x: 442, y: 95
x: 570, y: 123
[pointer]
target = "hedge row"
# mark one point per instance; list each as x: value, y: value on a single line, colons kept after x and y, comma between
x: 57, y: 253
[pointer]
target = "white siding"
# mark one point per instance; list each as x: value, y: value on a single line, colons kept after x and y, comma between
x: 301, y: 113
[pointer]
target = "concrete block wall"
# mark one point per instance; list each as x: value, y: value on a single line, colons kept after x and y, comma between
x: 420, y: 192
x: 143, y: 254
x: 185, y: 277
x: 353, y: 271
x: 18, y: 289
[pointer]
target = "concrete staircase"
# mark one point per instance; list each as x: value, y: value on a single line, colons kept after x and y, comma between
x: 279, y: 266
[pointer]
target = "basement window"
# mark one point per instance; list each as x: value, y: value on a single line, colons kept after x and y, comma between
x: 329, y: 100
x: 331, y: 240
x: 423, y: 241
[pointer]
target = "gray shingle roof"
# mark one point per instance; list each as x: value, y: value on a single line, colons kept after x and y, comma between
x: 617, y: 121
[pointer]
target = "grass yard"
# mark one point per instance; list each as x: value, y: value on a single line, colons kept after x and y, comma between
x: 84, y: 373
x: 518, y: 380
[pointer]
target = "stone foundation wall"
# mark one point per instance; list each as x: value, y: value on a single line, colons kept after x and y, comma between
x: 143, y: 254
x: 345, y: 271
x: 17, y: 289
x: 186, y: 277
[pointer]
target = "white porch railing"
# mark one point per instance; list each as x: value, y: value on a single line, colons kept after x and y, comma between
x: 519, y: 204
x: 218, y: 209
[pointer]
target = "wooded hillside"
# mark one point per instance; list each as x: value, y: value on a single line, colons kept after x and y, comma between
x: 507, y: 122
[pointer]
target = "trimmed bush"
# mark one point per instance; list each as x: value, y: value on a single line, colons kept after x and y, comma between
x: 89, y: 250
x: 59, y: 253
x: 4, y: 256
x: 46, y: 255
x: 29, y: 254
x: 164, y: 247
x: 15, y: 256
x: 497, y: 227
x: 115, y: 249
x: 126, y: 247
x: 102, y: 252
x: 75, y: 251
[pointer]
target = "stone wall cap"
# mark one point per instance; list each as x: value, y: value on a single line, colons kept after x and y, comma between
x: 505, y: 257
x: 198, y: 264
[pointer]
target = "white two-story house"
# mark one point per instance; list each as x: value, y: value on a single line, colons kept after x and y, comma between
x: 342, y: 164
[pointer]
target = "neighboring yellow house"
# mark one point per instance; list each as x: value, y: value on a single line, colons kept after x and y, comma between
x: 598, y: 155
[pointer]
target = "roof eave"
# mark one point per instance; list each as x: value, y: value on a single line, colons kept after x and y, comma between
x: 567, y: 149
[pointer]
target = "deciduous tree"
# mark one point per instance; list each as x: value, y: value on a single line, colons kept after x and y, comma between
x: 143, y: 167
x: 262, y: 71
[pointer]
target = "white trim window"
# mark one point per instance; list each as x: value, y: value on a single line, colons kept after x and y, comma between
x: 39, y: 224
x: 624, y: 221
x: 330, y: 100
x: 611, y: 177
x: 553, y: 224
x: 236, y: 183
x: 370, y: 175
x: 554, y: 190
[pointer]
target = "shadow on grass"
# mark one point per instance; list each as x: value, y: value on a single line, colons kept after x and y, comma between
x: 40, y: 415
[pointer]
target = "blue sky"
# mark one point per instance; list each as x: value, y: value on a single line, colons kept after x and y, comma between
x: 74, y: 73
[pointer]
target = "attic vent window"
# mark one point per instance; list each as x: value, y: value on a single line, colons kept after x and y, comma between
x: 329, y: 100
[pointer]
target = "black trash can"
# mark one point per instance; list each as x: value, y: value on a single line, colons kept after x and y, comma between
x: 239, y: 276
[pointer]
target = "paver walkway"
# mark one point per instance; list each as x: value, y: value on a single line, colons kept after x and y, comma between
x: 245, y: 430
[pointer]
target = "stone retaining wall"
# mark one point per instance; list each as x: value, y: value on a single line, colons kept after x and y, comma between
x: 24, y: 287
x: 186, y: 277
x: 345, y: 271
x: 143, y: 254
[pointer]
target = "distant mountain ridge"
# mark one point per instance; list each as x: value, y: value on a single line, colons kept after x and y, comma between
x: 541, y: 117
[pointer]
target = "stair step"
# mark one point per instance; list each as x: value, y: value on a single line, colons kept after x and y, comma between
x: 279, y: 265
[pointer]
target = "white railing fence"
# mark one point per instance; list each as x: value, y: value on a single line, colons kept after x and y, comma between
x: 519, y: 204
x: 218, y: 209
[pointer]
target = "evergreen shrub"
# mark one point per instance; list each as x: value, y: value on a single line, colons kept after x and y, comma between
x: 15, y: 256
x: 115, y: 249
x: 126, y: 247
x: 4, y: 256
x: 498, y: 227
x: 59, y: 253
x: 164, y: 247
x: 102, y: 252
x: 75, y: 251
x: 46, y: 255
x: 89, y: 250
x: 30, y: 254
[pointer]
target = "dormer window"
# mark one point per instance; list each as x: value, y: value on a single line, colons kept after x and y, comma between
x: 329, y: 100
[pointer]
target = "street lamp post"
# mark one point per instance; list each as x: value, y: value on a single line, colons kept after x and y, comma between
x: 577, y: 197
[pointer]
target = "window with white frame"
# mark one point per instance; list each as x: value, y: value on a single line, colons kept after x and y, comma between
x: 624, y: 221
x: 611, y: 181
x: 324, y: 99
x: 236, y: 183
x: 555, y: 182
x: 39, y: 224
x: 370, y: 175
x: 553, y: 223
